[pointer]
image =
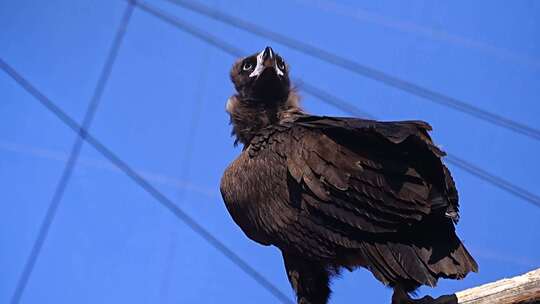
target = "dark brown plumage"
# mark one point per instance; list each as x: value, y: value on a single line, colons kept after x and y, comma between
x: 335, y: 193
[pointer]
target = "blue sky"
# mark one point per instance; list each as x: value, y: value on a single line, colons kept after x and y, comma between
x: 163, y: 112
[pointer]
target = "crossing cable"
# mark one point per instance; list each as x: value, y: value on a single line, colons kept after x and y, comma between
x: 450, y: 158
x: 362, y: 15
x: 144, y: 184
x: 72, y: 160
x: 186, y: 162
x: 361, y: 69
x: 237, y: 52
x: 341, y: 104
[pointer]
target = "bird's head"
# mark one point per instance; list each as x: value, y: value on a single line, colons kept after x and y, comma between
x: 264, y: 94
x: 262, y: 76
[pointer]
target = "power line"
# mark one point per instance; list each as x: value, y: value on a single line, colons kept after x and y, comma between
x: 362, y: 15
x: 74, y: 155
x: 187, y: 27
x: 493, y: 179
x: 361, y: 69
x: 330, y: 99
x: 143, y: 183
x: 450, y: 158
x: 339, y: 103
x: 236, y: 52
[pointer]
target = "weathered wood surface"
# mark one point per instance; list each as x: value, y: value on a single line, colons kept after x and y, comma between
x: 521, y: 289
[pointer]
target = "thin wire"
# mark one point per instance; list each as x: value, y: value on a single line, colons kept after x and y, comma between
x: 450, y: 158
x: 331, y: 99
x: 75, y: 151
x: 144, y: 184
x: 186, y: 163
x: 361, y: 69
x: 236, y: 52
x: 187, y: 27
x: 339, y: 103
x: 362, y: 15
x: 493, y: 179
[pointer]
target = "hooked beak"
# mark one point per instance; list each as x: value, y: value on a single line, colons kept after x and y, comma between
x: 266, y: 59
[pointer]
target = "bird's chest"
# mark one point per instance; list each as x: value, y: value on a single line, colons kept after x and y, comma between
x: 253, y: 189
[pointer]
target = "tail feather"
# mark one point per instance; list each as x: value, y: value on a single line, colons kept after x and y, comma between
x: 456, y: 265
x: 418, y: 263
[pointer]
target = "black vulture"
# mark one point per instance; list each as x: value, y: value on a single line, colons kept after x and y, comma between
x: 337, y: 193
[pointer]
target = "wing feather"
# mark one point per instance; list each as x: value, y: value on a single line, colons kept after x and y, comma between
x: 358, y: 186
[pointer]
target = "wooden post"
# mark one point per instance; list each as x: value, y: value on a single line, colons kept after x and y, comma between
x: 521, y: 289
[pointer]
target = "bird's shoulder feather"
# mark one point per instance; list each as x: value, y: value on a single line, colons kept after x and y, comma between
x: 374, y: 176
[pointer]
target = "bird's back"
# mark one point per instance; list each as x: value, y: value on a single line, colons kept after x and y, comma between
x: 348, y: 192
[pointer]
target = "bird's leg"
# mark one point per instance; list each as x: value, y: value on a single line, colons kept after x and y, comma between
x: 400, y: 296
x: 308, y: 279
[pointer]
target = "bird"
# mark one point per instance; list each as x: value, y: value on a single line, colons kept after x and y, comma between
x: 339, y: 193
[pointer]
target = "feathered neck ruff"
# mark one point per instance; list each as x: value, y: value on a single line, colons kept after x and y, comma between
x: 250, y: 115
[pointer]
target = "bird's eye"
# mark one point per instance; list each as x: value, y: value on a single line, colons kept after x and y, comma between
x: 281, y: 65
x: 247, y: 66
